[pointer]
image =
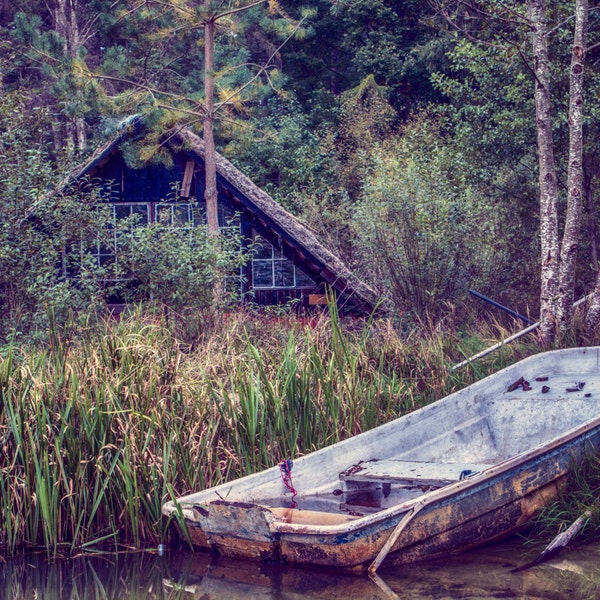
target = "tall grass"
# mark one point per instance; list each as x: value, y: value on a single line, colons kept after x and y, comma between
x: 98, y: 431
x: 581, y: 493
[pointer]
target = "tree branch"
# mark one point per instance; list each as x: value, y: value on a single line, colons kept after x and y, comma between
x: 263, y: 69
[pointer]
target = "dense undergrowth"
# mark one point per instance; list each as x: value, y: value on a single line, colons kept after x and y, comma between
x: 98, y: 430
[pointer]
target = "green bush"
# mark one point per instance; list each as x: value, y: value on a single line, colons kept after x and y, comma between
x: 43, y: 230
x: 425, y: 228
x: 181, y: 269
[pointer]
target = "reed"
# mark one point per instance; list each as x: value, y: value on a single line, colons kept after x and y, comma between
x: 580, y: 494
x: 98, y: 430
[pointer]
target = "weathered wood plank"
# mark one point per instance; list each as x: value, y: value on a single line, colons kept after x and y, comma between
x: 187, y: 179
x: 409, y: 473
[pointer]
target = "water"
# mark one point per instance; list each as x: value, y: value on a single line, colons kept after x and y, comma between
x: 481, y: 574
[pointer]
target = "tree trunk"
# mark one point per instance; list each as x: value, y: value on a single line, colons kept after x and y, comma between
x: 81, y: 133
x: 592, y: 317
x: 64, y: 13
x: 575, y: 183
x: 591, y: 218
x: 210, y: 190
x: 547, y: 174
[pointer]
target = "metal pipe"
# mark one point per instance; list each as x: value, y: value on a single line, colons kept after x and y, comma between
x: 512, y: 338
x: 504, y: 308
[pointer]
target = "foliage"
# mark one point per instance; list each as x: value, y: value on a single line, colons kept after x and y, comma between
x: 53, y: 41
x: 425, y: 225
x: 281, y: 150
x: 176, y: 266
x: 580, y: 494
x: 42, y: 267
x: 366, y: 120
x: 348, y: 41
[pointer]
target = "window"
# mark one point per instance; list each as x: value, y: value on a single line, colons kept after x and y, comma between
x: 175, y: 215
x: 105, y: 254
x: 271, y: 269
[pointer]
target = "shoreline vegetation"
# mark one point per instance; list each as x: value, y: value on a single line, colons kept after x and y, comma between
x: 99, y: 429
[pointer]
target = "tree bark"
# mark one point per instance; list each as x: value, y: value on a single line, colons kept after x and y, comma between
x: 547, y: 174
x: 592, y: 225
x: 575, y: 181
x: 592, y: 317
x: 66, y: 24
x: 210, y: 190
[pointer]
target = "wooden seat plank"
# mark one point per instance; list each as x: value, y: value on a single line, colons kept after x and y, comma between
x: 407, y: 473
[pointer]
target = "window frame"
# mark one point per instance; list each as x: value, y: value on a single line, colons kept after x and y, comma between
x: 276, y: 258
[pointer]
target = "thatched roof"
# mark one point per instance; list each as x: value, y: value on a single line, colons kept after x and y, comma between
x: 296, y: 235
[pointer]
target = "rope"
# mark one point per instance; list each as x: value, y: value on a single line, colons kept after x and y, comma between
x: 285, y: 468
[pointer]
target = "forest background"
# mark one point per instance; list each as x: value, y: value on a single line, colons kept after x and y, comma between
x: 402, y: 132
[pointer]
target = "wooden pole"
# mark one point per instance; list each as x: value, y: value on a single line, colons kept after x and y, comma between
x: 558, y: 543
x: 562, y: 539
x: 408, y: 517
x: 512, y: 338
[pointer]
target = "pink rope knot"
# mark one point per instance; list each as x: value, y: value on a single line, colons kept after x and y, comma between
x: 285, y: 467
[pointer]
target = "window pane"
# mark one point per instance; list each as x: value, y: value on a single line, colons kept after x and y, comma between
x: 163, y: 214
x: 174, y: 215
x: 262, y: 273
x: 102, y: 249
x: 107, y: 260
x: 181, y: 215
x: 263, y: 250
x: 142, y: 211
x: 226, y: 214
x: 303, y: 280
x: 284, y: 273
x: 122, y: 211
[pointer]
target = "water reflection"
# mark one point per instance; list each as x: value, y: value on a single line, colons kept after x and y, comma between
x: 480, y: 574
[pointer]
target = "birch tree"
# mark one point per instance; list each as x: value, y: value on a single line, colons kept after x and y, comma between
x: 575, y: 177
x: 516, y: 26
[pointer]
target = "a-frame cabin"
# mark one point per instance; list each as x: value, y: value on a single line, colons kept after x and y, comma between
x: 289, y: 263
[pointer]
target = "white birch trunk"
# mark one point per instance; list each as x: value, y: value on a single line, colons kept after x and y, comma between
x: 547, y: 174
x: 575, y: 182
x: 210, y: 190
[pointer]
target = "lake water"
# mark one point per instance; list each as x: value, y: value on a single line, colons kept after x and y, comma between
x: 480, y: 574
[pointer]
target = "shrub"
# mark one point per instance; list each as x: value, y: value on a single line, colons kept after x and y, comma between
x: 424, y: 226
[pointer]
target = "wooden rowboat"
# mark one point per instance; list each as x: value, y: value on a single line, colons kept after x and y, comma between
x: 466, y: 470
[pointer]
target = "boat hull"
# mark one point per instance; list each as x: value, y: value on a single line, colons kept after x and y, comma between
x: 480, y: 508
x: 476, y: 513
